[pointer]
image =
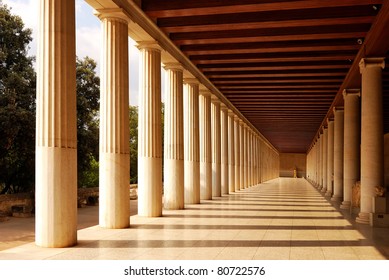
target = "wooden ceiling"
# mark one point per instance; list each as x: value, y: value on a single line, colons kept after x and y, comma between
x: 281, y: 63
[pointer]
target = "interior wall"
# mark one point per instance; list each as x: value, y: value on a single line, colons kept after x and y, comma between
x: 288, y: 162
x: 386, y: 160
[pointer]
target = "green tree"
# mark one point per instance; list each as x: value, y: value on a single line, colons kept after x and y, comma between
x: 88, y: 92
x: 17, y: 105
x: 133, y: 113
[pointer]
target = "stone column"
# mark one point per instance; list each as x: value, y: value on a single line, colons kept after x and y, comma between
x: 56, y: 127
x: 114, y: 159
x: 338, y: 154
x: 321, y: 141
x: 174, y: 138
x: 205, y: 145
x: 231, y: 152
x: 330, y: 157
x: 191, y: 142
x: 325, y: 167
x: 150, y: 131
x: 249, y: 157
x: 224, y: 148
x: 372, y: 136
x: 352, y: 140
x: 237, y: 152
x: 216, y: 147
x: 242, y: 155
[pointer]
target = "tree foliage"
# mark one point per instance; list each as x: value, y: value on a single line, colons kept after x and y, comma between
x: 17, y: 105
x: 133, y: 113
x: 88, y: 92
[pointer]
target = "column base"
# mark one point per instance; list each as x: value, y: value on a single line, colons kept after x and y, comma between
x: 345, y: 205
x: 363, y: 218
x: 328, y: 193
x: 337, y: 198
x: 324, y: 190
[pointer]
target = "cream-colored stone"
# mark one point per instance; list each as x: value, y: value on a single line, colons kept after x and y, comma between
x: 237, y: 152
x: 174, y: 138
x: 242, y: 135
x: 372, y: 140
x: 324, y: 160
x: 330, y: 158
x: 205, y: 145
x: 150, y: 131
x: 231, y: 152
x: 338, y: 154
x: 216, y: 147
x: 352, y: 141
x: 224, y: 148
x: 56, y: 126
x: 191, y: 142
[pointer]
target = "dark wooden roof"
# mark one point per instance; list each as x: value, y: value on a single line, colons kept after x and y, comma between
x: 282, y: 63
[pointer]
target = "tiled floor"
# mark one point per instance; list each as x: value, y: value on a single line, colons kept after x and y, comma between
x: 281, y: 219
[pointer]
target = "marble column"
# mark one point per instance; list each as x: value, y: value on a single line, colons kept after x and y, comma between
x: 325, y: 167
x: 150, y: 131
x: 224, y: 148
x: 216, y: 147
x: 338, y: 154
x: 352, y: 141
x: 114, y: 159
x: 320, y: 171
x: 372, y: 136
x: 237, y: 152
x: 174, y: 138
x: 249, y: 158
x: 205, y: 145
x: 242, y: 155
x: 231, y: 152
x: 191, y: 142
x: 56, y: 126
x: 330, y: 158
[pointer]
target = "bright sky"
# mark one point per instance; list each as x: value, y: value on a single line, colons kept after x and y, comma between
x: 87, y: 36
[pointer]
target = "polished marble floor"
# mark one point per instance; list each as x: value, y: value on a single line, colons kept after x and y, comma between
x: 281, y: 219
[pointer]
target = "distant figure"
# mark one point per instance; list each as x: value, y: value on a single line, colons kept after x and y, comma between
x: 295, y: 172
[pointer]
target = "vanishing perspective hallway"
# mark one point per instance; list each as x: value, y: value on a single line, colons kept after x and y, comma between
x: 284, y: 218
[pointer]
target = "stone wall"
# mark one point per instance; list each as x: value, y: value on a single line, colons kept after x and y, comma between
x: 9, y: 200
x: 288, y: 162
x: 86, y: 196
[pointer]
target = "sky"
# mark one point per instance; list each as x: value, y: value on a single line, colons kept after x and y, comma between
x: 88, y: 36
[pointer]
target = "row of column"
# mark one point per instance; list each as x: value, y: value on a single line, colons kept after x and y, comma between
x: 351, y: 147
x: 208, y: 152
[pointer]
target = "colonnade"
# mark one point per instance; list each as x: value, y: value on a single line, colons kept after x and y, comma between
x: 355, y: 144
x: 209, y: 149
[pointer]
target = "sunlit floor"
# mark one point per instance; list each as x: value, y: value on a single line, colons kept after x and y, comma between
x: 281, y: 219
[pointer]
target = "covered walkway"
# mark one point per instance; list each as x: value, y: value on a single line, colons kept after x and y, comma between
x: 283, y: 218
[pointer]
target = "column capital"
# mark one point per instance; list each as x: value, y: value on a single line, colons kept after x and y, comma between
x: 148, y: 45
x: 173, y: 66
x: 231, y: 113
x: 191, y: 81
x: 223, y: 107
x: 215, y: 99
x: 371, y: 62
x: 356, y: 92
x: 205, y: 92
x: 331, y: 119
x: 338, y: 109
x: 118, y: 13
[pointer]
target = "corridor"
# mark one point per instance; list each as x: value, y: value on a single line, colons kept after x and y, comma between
x: 281, y: 219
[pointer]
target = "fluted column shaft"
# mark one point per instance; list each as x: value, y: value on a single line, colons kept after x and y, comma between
x: 338, y: 154
x: 231, y: 152
x: 114, y: 159
x: 325, y: 168
x: 321, y: 141
x: 191, y: 142
x: 372, y: 138
x: 330, y: 157
x: 242, y: 156
x: 352, y: 140
x: 150, y: 132
x: 216, y: 147
x: 237, y: 152
x: 224, y: 148
x: 56, y: 126
x: 205, y: 145
x: 174, y: 138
